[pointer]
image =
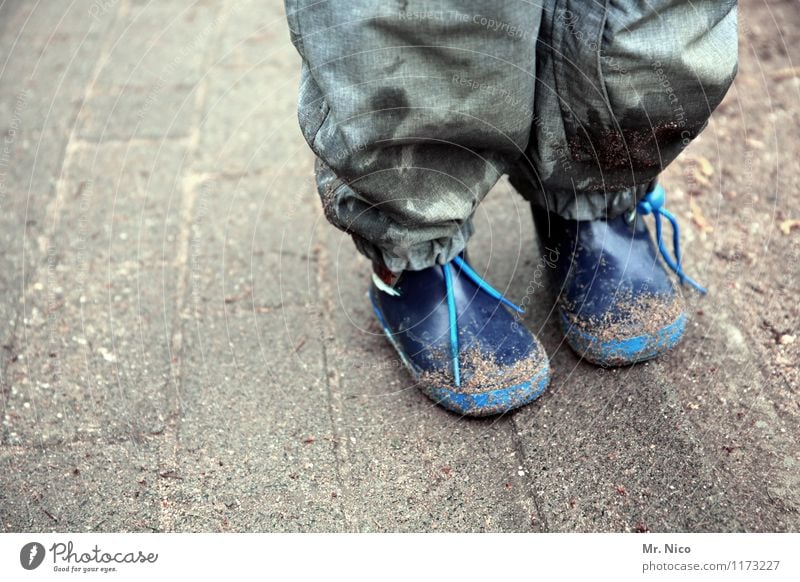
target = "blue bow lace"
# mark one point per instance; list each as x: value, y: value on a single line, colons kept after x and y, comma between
x: 653, y: 203
x: 451, y: 306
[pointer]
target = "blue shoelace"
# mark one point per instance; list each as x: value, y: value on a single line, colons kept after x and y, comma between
x: 451, y: 306
x: 653, y: 203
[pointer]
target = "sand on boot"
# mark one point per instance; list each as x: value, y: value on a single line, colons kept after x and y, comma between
x: 480, y: 372
x: 643, y: 314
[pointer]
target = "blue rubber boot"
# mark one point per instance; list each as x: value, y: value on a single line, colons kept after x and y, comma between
x: 455, y: 334
x: 617, y: 303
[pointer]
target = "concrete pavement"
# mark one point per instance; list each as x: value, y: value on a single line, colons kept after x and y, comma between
x: 186, y: 343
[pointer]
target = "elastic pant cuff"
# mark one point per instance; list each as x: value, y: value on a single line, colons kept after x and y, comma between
x: 574, y: 205
x: 417, y: 256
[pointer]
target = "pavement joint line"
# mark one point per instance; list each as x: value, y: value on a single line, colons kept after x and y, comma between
x: 258, y: 171
x: 129, y: 88
x: 688, y: 433
x: 83, y: 144
x: 190, y: 182
x: 25, y: 448
x: 72, y: 144
x: 757, y: 404
x: 335, y: 405
x: 519, y: 448
x: 52, y: 208
x: 51, y: 213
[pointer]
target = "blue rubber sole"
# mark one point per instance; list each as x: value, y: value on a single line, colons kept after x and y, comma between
x: 623, y: 352
x: 487, y: 403
x: 493, y: 401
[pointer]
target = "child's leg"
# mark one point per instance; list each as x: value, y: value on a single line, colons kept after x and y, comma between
x: 623, y: 87
x: 414, y: 109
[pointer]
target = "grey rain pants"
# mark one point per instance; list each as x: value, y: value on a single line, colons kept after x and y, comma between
x: 416, y: 108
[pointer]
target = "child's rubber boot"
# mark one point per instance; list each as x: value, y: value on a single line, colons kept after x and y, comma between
x: 617, y: 303
x: 453, y: 331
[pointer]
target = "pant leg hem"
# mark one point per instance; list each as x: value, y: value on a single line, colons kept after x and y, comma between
x: 576, y: 205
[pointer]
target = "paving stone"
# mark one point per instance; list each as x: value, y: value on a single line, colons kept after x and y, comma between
x: 264, y: 231
x: 256, y: 449
x: 138, y: 113
x: 160, y: 44
x: 91, y: 356
x: 80, y: 487
x: 251, y: 121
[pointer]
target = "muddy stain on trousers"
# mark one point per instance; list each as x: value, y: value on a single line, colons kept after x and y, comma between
x: 415, y: 109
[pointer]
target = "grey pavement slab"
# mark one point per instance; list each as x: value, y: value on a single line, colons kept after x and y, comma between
x: 152, y: 44
x: 249, y: 124
x: 91, y: 352
x: 255, y: 440
x: 81, y: 487
x: 37, y: 20
x: 138, y: 113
